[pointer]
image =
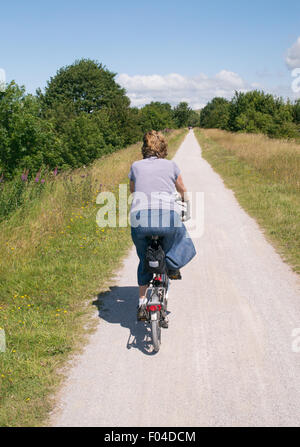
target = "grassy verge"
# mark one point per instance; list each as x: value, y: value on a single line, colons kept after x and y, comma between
x: 264, y: 173
x: 54, y: 260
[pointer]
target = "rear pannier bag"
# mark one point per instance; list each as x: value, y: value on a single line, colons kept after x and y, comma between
x: 155, y: 259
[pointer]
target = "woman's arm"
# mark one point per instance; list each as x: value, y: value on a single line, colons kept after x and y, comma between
x: 131, y: 187
x: 181, y: 188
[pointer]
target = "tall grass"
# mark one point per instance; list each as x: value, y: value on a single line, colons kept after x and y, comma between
x: 54, y: 260
x: 278, y: 160
x: 264, y: 173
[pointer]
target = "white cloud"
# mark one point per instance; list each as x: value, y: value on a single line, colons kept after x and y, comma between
x: 293, y: 55
x: 174, y: 88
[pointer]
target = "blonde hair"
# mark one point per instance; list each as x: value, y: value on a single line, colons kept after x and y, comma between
x: 155, y: 145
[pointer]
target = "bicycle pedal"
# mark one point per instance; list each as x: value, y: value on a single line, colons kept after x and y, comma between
x: 164, y: 322
x: 141, y: 314
x: 176, y: 275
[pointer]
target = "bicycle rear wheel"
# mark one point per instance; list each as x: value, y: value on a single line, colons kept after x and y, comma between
x: 156, y: 334
x: 166, y: 290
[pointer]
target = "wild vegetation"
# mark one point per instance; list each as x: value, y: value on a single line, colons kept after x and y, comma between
x: 82, y: 115
x: 253, y: 112
x: 264, y: 173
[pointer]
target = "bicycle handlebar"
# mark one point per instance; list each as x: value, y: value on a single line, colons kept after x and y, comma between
x: 185, y: 208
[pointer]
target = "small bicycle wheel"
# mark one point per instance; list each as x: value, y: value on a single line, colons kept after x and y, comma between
x: 165, y: 294
x: 156, y: 334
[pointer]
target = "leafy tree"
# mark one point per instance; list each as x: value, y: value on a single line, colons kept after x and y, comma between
x: 82, y: 141
x: 215, y: 114
x: 296, y: 112
x: 253, y: 111
x: 125, y: 121
x: 156, y: 116
x: 182, y: 114
x: 133, y: 128
x: 86, y: 84
x: 194, y: 118
x: 88, y: 87
x: 256, y: 111
x: 26, y: 139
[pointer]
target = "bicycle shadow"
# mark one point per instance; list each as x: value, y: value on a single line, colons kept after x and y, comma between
x: 119, y: 306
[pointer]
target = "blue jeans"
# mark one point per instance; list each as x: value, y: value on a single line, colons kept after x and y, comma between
x: 178, y: 246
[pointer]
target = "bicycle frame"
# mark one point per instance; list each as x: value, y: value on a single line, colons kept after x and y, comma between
x: 158, y: 295
x: 156, y: 307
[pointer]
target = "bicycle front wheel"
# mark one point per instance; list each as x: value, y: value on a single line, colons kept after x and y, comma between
x: 156, y: 334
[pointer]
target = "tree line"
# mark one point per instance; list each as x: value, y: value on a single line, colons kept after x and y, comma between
x: 81, y: 115
x: 253, y: 112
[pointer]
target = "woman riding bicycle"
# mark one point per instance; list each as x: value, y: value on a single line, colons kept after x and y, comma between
x: 154, y: 211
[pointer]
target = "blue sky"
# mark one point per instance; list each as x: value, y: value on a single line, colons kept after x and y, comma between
x: 209, y: 47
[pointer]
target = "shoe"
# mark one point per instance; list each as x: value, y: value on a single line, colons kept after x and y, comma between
x: 174, y: 274
x: 164, y: 323
x: 141, y: 313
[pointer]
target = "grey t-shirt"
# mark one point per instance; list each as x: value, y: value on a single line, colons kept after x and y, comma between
x: 154, y: 180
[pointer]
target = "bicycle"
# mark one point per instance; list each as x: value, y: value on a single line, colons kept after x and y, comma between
x: 157, y: 302
x: 157, y: 293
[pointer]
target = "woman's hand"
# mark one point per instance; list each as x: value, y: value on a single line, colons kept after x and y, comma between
x: 179, y: 185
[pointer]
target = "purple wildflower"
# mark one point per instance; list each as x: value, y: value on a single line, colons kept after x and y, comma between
x: 37, y: 178
x: 25, y: 175
x: 43, y: 180
x: 55, y: 171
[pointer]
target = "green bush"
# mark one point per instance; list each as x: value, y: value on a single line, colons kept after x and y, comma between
x: 253, y: 112
x: 26, y: 139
